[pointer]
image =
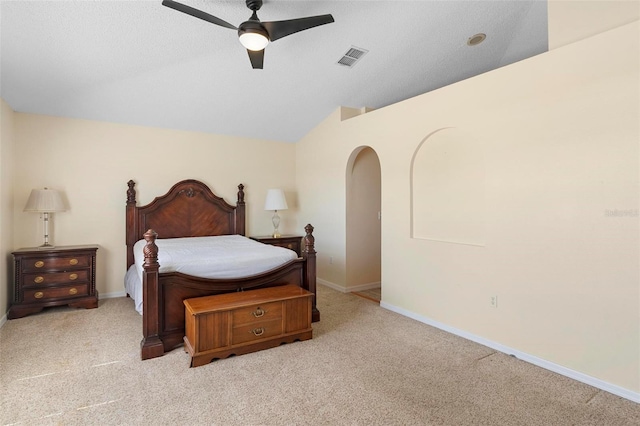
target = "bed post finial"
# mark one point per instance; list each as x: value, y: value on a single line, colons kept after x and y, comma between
x: 241, y: 194
x: 131, y: 192
x: 150, y: 249
x: 309, y: 240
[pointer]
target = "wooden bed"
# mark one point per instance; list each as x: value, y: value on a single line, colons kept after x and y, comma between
x: 191, y: 209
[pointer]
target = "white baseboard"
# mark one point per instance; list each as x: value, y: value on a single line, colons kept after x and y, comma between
x: 332, y: 285
x: 361, y: 287
x: 3, y: 320
x: 567, y: 372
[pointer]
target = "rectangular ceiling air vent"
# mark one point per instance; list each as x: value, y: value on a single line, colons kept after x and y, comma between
x: 353, y: 55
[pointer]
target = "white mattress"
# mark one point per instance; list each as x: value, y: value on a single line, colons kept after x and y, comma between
x: 225, y: 256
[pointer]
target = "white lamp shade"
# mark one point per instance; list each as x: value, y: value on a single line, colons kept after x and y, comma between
x: 275, y: 200
x: 45, y: 201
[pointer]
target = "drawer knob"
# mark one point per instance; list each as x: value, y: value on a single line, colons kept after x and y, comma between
x: 73, y: 262
x: 38, y: 295
x: 73, y: 277
x: 259, y: 312
x: 73, y: 290
x: 257, y: 331
x: 39, y: 264
x: 38, y: 279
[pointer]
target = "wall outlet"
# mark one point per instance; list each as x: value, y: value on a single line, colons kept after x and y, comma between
x: 494, y: 301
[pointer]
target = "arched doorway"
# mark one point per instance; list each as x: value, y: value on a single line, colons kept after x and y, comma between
x: 363, y: 222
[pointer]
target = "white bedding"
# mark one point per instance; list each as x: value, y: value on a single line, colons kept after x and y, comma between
x: 225, y: 256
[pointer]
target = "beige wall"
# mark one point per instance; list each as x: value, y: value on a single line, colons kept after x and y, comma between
x: 559, y: 134
x: 7, y: 138
x: 92, y: 162
x: 573, y: 20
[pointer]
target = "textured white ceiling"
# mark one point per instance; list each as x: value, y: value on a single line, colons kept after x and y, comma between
x: 138, y: 62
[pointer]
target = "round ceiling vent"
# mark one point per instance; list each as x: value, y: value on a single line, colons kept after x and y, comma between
x: 476, y: 39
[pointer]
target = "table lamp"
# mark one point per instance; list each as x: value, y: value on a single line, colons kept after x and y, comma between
x: 275, y: 201
x: 45, y: 201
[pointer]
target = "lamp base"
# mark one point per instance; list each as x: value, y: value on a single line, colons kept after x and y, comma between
x: 276, y: 222
x: 46, y: 246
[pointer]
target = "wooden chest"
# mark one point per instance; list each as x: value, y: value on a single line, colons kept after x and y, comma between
x: 237, y: 323
x: 52, y: 277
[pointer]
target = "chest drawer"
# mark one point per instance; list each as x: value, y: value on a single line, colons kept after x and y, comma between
x: 257, y: 313
x: 256, y: 331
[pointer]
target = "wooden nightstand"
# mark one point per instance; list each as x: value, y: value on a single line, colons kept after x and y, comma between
x: 57, y: 276
x: 292, y: 242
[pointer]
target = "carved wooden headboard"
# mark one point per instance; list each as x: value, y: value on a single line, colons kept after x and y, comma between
x: 189, y: 209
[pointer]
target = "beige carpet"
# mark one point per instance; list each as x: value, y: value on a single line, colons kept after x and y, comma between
x: 364, y: 366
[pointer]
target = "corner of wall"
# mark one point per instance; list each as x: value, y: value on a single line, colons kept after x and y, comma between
x: 7, y: 138
x: 346, y: 113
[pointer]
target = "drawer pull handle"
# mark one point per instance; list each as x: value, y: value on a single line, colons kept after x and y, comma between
x: 38, y: 295
x: 73, y: 262
x: 73, y: 290
x: 73, y: 277
x: 39, y: 264
x: 259, y: 313
x: 257, y: 331
x: 38, y: 279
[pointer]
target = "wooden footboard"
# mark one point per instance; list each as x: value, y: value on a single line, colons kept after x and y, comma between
x: 163, y: 294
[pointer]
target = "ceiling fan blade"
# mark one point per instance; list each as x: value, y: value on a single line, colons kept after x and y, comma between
x: 279, y: 29
x: 197, y: 13
x: 256, y: 57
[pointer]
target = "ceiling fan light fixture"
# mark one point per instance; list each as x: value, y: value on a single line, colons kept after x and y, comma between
x: 253, y: 37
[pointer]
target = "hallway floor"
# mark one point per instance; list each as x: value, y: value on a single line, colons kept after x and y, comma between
x: 374, y: 294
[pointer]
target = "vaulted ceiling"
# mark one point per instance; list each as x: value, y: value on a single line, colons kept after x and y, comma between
x: 138, y: 62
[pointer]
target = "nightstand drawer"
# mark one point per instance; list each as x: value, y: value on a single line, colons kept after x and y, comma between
x: 65, y: 292
x: 295, y: 246
x: 291, y: 242
x: 55, y: 278
x: 43, y: 263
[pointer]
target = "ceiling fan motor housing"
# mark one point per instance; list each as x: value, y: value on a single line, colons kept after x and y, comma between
x: 254, y: 4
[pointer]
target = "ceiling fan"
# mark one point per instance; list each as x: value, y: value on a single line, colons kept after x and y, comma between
x: 255, y: 35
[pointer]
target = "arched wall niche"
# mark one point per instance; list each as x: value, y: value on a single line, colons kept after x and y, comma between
x: 363, y: 233
x: 448, y: 188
